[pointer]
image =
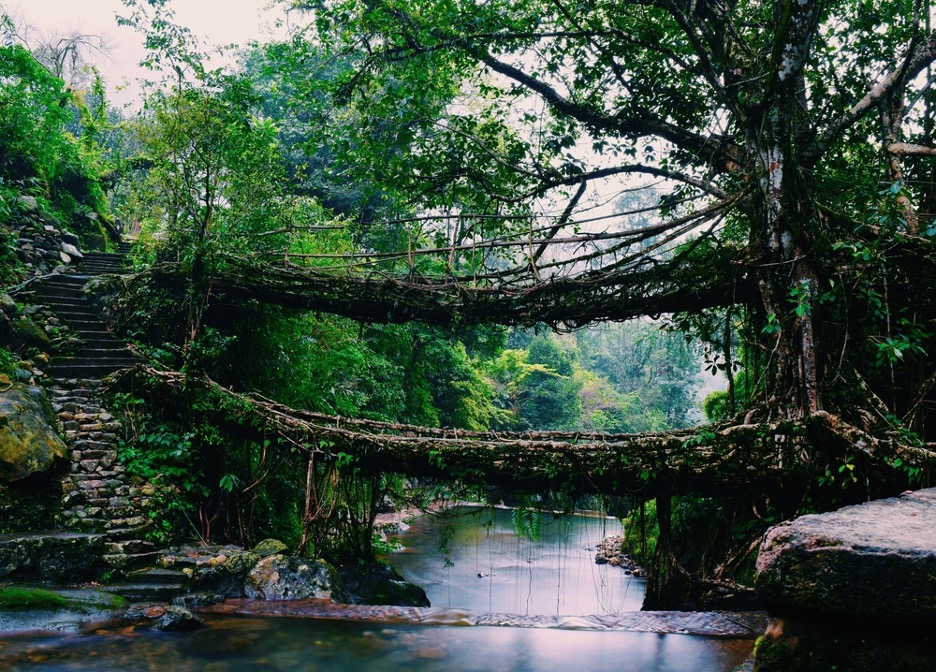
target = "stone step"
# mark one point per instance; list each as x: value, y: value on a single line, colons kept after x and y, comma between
x: 135, y: 547
x: 61, y: 292
x: 104, y: 342
x: 84, y: 370
x: 72, y: 313
x: 77, y: 303
x: 115, y: 349
x: 157, y: 576
x: 101, y: 262
x: 128, y: 533
x: 103, y: 255
x: 91, y: 327
x: 120, y: 358
x: 71, y: 280
x: 143, y: 592
x: 86, y: 367
x: 102, y: 269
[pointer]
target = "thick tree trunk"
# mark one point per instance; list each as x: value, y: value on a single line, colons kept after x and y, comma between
x: 785, y: 222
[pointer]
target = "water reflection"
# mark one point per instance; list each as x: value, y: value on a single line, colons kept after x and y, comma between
x: 236, y: 643
x: 484, y: 574
x: 484, y: 565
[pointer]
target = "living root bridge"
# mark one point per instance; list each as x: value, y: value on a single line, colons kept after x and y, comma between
x: 568, y: 302
x: 713, y: 460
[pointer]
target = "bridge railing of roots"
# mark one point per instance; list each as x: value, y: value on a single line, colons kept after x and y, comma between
x: 709, y: 460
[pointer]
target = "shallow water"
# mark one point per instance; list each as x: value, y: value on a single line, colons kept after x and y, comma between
x: 484, y: 565
x: 501, y: 603
x: 241, y: 643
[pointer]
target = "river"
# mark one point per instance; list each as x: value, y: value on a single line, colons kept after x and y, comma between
x: 473, y: 558
x: 501, y: 602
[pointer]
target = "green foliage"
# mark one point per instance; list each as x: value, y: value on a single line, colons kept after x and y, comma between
x: 716, y: 406
x: 168, y: 455
x: 628, y: 377
x: 526, y: 519
x: 9, y: 260
x: 37, y: 153
x: 8, y: 362
x: 641, y: 532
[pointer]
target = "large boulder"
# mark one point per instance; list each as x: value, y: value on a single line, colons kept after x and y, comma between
x: 854, y: 589
x: 874, y: 561
x: 378, y: 583
x: 29, y: 443
x: 280, y: 577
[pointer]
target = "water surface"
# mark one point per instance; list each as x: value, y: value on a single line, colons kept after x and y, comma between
x: 502, y: 602
x: 235, y: 644
x: 473, y: 558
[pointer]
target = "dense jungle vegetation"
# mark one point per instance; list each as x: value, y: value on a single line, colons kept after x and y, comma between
x: 534, y: 215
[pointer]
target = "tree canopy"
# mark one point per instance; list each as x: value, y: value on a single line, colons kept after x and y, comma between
x: 757, y: 175
x: 789, y: 146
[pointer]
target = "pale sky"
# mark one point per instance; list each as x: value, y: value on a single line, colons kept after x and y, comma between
x: 217, y: 22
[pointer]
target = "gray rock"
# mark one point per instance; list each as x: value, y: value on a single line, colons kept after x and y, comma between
x: 29, y: 443
x: 28, y: 204
x: 177, y: 619
x: 71, y: 251
x: 872, y: 561
x: 8, y: 305
x: 279, y: 577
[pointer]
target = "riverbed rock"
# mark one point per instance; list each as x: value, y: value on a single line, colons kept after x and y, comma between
x: 280, y: 577
x: 29, y: 443
x: 870, y: 561
x: 57, y: 609
x: 378, y: 583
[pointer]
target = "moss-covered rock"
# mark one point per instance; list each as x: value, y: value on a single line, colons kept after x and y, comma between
x: 20, y: 597
x: 27, y: 333
x: 818, y: 645
x: 24, y: 608
x: 269, y: 547
x: 225, y: 573
x: 280, y: 577
x: 59, y: 557
x: 30, y: 504
x: 29, y: 443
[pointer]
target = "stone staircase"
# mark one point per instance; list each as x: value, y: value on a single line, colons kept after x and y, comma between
x: 98, y: 494
x: 100, y: 353
x: 152, y: 584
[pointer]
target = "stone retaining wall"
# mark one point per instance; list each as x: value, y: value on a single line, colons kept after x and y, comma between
x: 98, y: 493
